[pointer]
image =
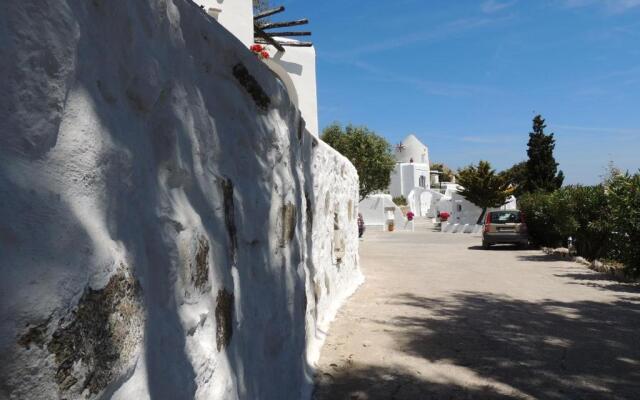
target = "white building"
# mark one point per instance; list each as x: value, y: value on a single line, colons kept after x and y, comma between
x: 412, y: 167
x: 296, y: 66
x: 429, y: 203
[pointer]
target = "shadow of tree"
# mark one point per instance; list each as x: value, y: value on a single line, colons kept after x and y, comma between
x: 545, y: 349
x: 367, y: 382
x: 500, y: 247
x: 543, y: 258
x: 601, y: 281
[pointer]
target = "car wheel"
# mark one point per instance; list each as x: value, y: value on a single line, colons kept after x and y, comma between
x: 486, y: 245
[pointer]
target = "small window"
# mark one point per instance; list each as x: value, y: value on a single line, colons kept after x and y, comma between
x: 422, y: 181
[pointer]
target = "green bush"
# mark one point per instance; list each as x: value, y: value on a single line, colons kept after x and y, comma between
x: 604, y: 219
x: 623, y: 197
x: 590, y: 211
x: 399, y: 201
x: 549, y: 217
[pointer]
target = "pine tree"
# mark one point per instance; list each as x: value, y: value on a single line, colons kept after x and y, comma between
x: 542, y: 169
x: 483, y: 187
x: 517, y: 177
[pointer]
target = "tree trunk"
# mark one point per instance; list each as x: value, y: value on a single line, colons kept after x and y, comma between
x: 481, y: 218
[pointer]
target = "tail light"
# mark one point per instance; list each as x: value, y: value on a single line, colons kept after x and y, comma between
x: 487, y: 222
x: 523, y: 222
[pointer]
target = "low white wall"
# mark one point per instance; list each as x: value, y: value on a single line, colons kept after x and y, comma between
x: 330, y: 280
x: 424, y: 202
x: 169, y: 229
x: 372, y: 210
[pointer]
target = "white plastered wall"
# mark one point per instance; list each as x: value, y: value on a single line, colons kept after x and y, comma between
x: 299, y: 63
x: 184, y: 170
x: 235, y: 15
x: 296, y: 66
x: 406, y: 176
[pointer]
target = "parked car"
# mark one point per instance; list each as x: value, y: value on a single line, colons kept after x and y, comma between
x: 505, y: 227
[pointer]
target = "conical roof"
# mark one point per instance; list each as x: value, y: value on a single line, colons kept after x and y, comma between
x: 412, y: 149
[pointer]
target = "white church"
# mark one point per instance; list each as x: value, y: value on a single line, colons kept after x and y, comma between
x: 413, y: 179
x: 412, y: 167
x: 410, y: 177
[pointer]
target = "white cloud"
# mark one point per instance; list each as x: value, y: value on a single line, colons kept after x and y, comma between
x: 440, y: 32
x: 434, y: 88
x: 493, y: 6
x: 612, y: 6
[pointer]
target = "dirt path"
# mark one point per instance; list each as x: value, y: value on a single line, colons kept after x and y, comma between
x: 439, y: 318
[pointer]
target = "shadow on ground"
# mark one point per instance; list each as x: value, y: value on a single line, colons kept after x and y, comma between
x: 602, y: 281
x: 367, y: 382
x: 545, y: 350
x: 500, y: 247
x: 543, y: 258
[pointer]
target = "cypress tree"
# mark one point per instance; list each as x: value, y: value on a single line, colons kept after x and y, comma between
x: 542, y: 169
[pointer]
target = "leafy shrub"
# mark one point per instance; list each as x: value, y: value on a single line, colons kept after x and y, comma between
x: 549, y: 217
x: 623, y: 195
x: 591, y: 213
x: 399, y: 201
x: 604, y: 219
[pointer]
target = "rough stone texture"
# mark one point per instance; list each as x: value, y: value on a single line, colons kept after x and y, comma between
x: 286, y: 224
x: 331, y: 281
x: 35, y: 335
x: 230, y: 218
x: 224, y: 319
x: 200, y: 274
x: 102, y: 334
x: 252, y: 86
x: 127, y: 138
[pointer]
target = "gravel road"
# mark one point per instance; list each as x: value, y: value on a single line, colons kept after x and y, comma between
x: 440, y: 318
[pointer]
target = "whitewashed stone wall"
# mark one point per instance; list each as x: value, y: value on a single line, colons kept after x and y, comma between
x: 333, y: 274
x: 168, y: 224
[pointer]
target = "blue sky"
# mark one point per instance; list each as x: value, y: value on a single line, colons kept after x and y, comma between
x: 467, y: 77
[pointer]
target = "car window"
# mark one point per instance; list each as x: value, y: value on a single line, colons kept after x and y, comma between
x: 505, y: 217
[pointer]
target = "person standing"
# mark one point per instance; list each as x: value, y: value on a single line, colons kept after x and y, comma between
x: 360, y: 225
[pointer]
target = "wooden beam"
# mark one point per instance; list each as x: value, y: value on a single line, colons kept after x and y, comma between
x: 266, y: 39
x: 272, y: 25
x: 268, y: 13
x: 286, y: 34
x: 289, y: 44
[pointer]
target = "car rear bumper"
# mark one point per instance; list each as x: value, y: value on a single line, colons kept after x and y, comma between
x: 505, y: 237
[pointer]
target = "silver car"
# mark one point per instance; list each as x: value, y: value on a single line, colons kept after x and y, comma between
x: 505, y: 227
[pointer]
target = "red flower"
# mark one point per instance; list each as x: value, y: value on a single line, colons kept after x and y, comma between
x: 410, y: 216
x: 256, y: 48
x: 265, y: 55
